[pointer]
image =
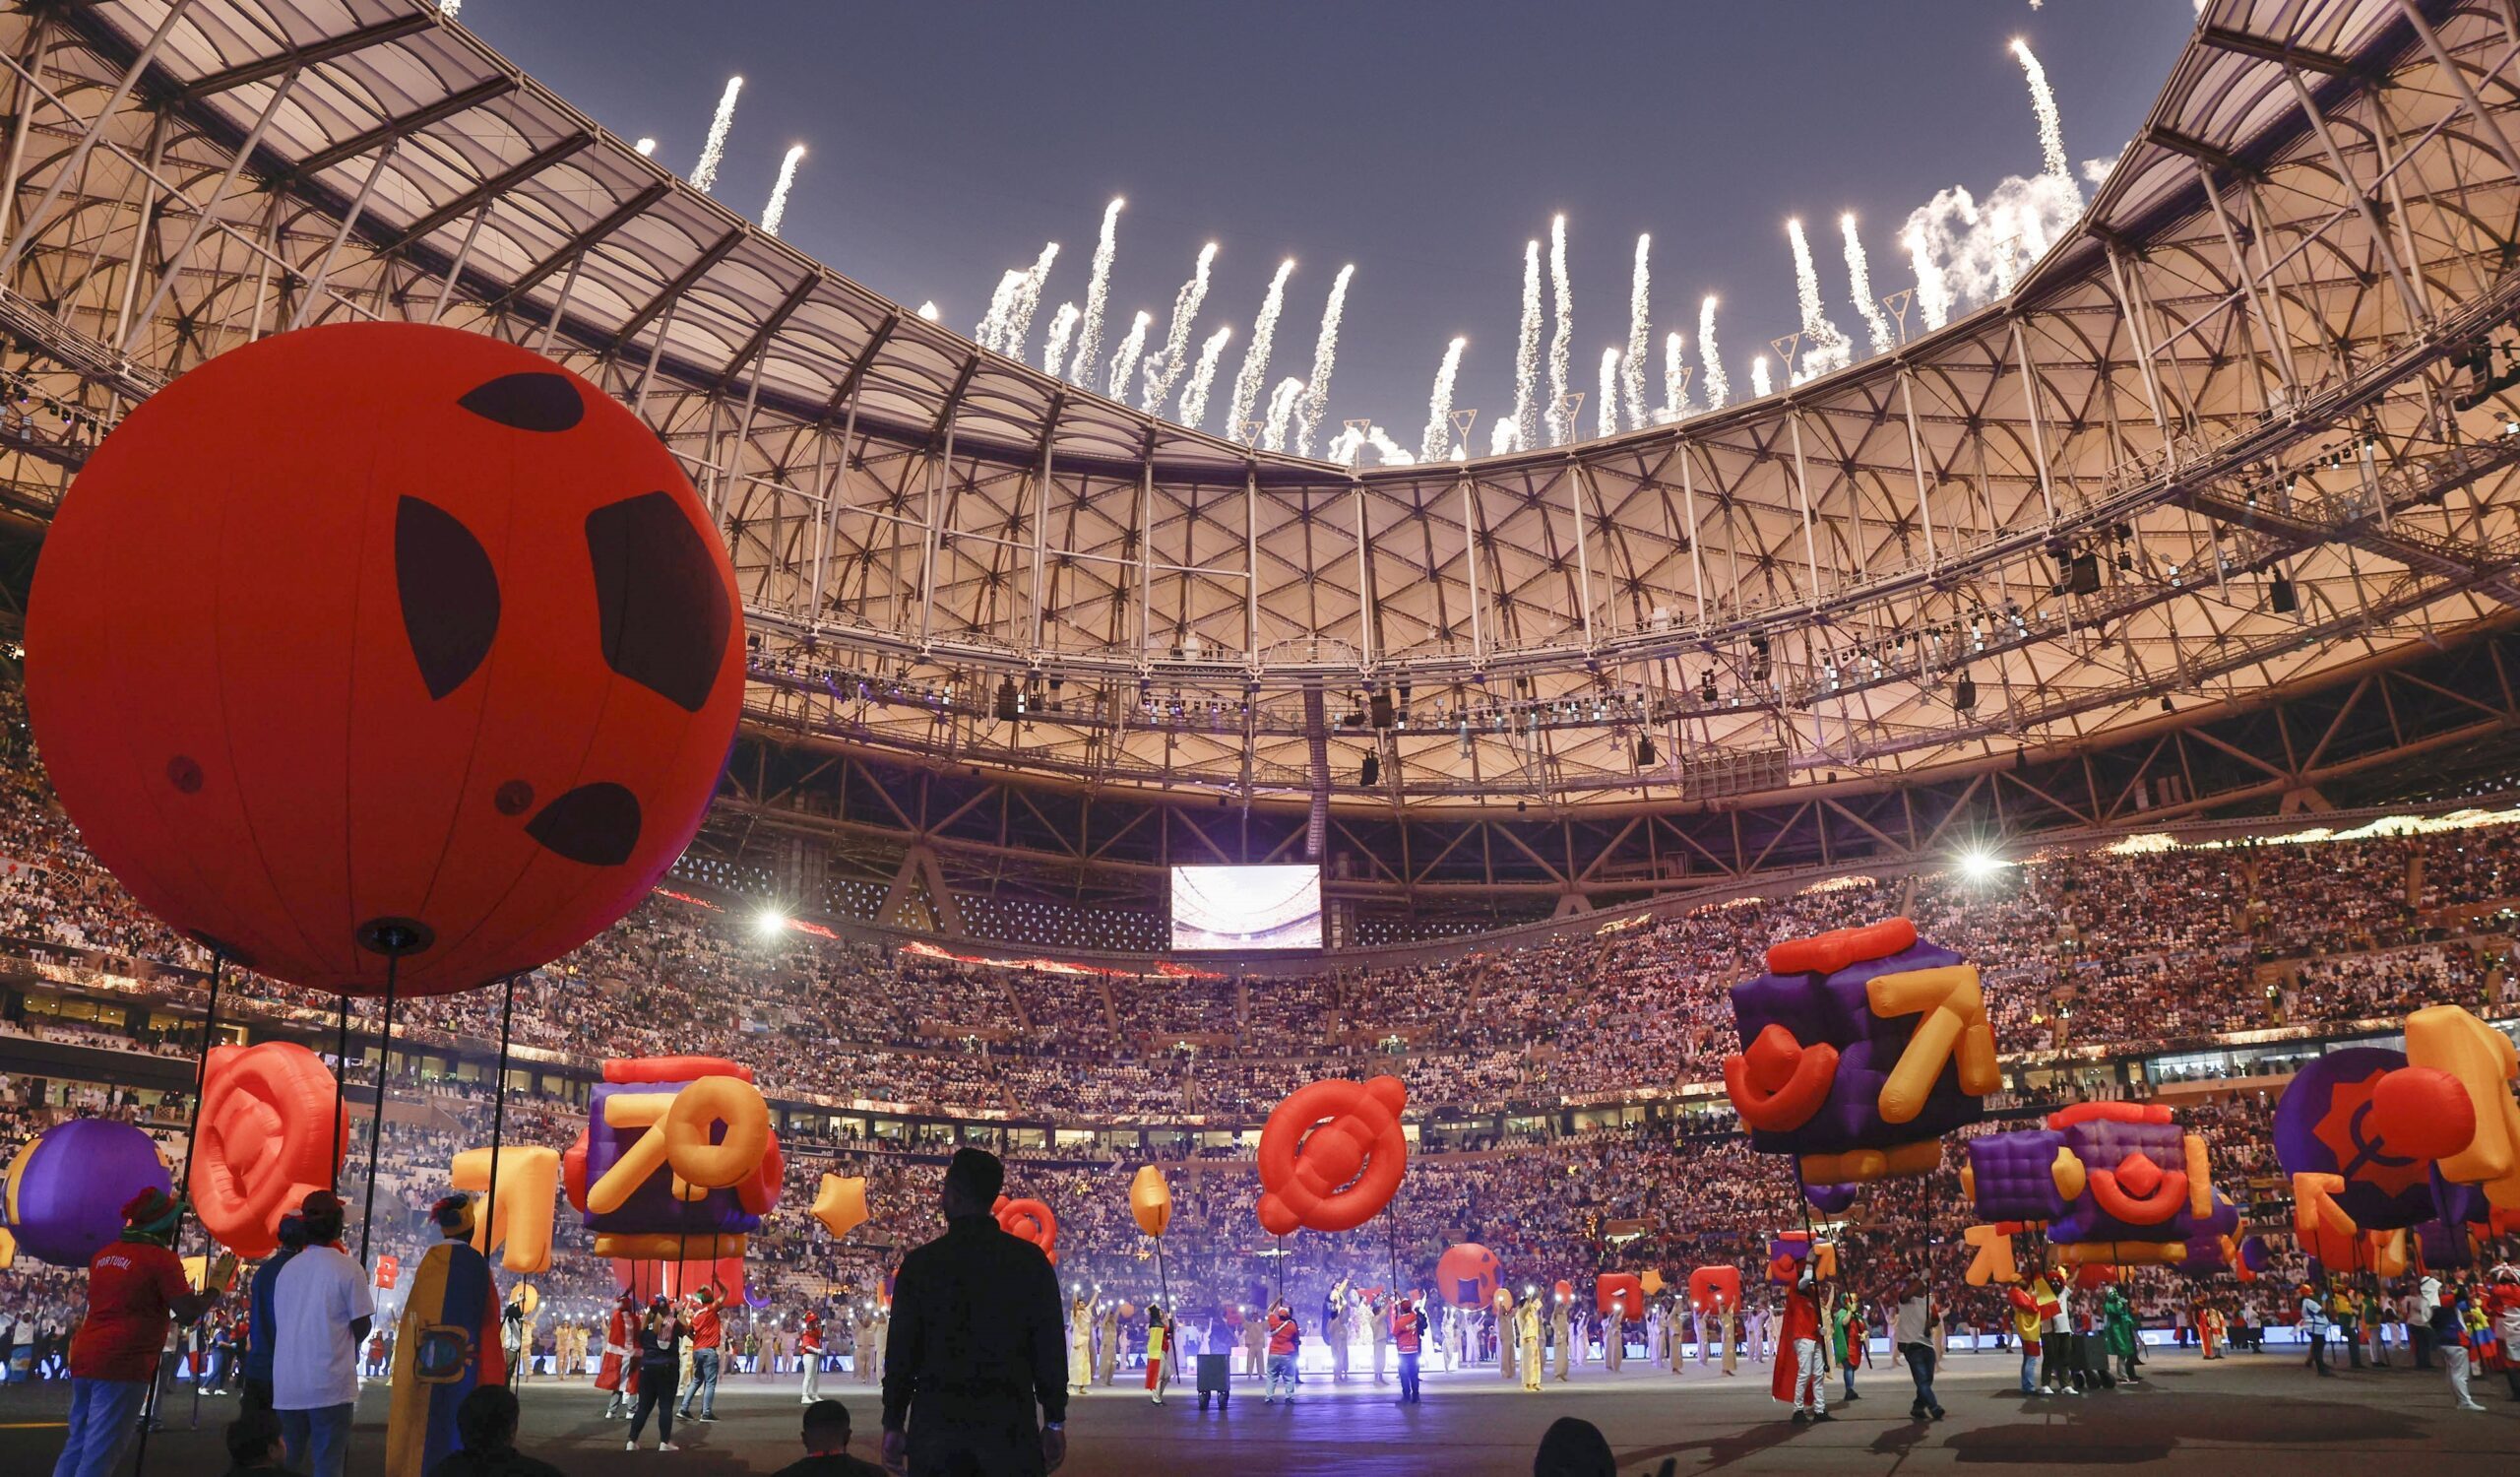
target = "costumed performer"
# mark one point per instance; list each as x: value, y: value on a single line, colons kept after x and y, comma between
x: 447, y: 1343
x: 1801, y: 1368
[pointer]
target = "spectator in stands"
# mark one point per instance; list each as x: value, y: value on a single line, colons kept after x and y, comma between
x: 134, y: 1286
x: 826, y: 1445
x: 320, y: 1316
x: 976, y: 1341
x: 486, y: 1424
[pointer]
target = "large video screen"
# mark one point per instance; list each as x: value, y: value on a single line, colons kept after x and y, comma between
x: 1247, y: 907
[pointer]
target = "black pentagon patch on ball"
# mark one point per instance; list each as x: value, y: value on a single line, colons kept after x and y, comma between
x: 450, y: 593
x: 596, y: 824
x: 534, y: 401
x: 659, y: 598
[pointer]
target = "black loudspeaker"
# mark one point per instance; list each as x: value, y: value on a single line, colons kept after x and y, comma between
x: 1007, y: 710
x: 2085, y: 576
x: 1964, y: 694
x: 1378, y: 708
x: 2281, y: 597
x: 1644, y: 750
x: 1369, y: 773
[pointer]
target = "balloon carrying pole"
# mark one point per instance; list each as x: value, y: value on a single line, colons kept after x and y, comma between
x: 183, y: 1200
x: 341, y: 1092
x: 376, y: 1118
x: 498, y: 1111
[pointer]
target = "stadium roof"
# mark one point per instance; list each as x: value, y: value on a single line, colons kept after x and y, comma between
x: 2242, y: 398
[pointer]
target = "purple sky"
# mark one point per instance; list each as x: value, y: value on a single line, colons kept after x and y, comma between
x: 1423, y: 142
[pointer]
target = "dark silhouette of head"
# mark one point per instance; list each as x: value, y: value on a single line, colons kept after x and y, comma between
x: 1574, y: 1448
x: 487, y: 1419
x: 972, y: 1180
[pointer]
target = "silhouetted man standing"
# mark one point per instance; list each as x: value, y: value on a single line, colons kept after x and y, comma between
x: 975, y: 1344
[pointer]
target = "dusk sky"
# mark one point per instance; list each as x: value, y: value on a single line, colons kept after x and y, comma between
x: 1425, y: 142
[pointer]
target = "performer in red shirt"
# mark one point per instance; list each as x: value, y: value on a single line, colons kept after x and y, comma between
x: 134, y: 1286
x: 809, y: 1348
x: 707, y: 1334
x: 1285, y: 1333
x: 1408, y: 1325
x: 1801, y: 1368
x: 618, y: 1373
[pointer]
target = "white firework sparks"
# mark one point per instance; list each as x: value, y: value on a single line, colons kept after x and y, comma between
x: 1282, y: 410
x: 1718, y: 385
x: 1346, y: 446
x: 1561, y: 338
x: 1933, y: 289
x: 1124, y: 363
x: 1526, y: 418
x: 985, y: 332
x: 1325, y: 355
x: 1761, y: 387
x: 1640, y: 335
x: 1194, y: 399
x: 1859, y: 282
x: 777, y: 209
x: 1967, y: 250
x: 1255, y: 355
x: 928, y: 310
x: 448, y: 8
x: 1439, y: 404
x: 1062, y: 326
x: 1504, y: 436
x: 704, y: 175
x: 2043, y: 103
x: 647, y: 148
x: 1391, y: 452
x: 1098, y: 297
x: 1163, y: 368
x: 1824, y: 348
x: 1607, y: 417
x: 1676, y: 379
x: 1017, y: 326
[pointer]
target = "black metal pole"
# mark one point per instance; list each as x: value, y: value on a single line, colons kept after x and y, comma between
x: 183, y: 1190
x: 498, y: 1116
x: 341, y: 1093
x: 376, y: 1119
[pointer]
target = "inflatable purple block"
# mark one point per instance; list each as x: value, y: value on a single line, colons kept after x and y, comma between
x: 1831, y: 1199
x: 2105, y: 1144
x: 2444, y: 1245
x: 2013, y: 1174
x: 1834, y: 1009
x: 652, y: 1207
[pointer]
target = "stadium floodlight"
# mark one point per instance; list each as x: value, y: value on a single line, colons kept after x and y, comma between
x: 1978, y: 866
x: 769, y: 922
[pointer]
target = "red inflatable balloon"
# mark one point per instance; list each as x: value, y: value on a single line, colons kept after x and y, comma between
x: 381, y: 636
x: 1622, y: 1290
x: 1030, y: 1220
x: 2423, y: 1113
x: 1332, y: 1154
x: 1466, y: 1275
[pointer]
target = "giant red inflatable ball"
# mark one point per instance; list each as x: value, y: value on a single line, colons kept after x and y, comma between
x: 1466, y: 1275
x: 380, y: 638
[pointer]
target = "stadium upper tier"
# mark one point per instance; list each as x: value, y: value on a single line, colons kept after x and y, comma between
x: 2242, y: 427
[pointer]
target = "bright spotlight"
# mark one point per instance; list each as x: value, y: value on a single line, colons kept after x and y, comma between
x: 1979, y: 866
x: 769, y: 922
